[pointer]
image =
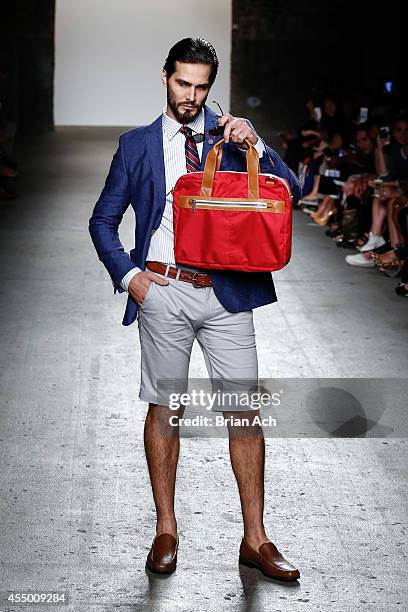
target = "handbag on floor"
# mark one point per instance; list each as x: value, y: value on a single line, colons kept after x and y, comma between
x: 232, y: 220
x: 350, y: 224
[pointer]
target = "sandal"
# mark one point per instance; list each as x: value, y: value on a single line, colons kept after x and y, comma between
x: 333, y: 233
x: 389, y: 263
x: 402, y: 289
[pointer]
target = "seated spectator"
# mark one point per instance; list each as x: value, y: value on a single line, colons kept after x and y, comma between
x: 360, y: 188
x: 354, y: 214
x: 357, y: 159
x: 393, y: 163
x: 392, y: 167
x: 333, y: 123
x: 298, y: 144
x: 361, y: 156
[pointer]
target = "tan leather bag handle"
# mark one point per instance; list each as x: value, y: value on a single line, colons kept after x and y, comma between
x: 212, y: 165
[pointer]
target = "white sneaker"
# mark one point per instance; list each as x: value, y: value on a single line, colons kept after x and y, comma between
x: 359, y: 260
x: 372, y: 243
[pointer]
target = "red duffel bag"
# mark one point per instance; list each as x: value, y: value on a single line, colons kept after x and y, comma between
x: 232, y: 220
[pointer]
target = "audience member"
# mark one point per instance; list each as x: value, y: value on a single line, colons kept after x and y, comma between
x: 355, y: 179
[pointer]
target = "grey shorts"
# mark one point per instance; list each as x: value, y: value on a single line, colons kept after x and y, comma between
x: 170, y: 319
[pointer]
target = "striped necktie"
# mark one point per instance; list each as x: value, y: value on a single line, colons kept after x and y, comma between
x: 192, y: 157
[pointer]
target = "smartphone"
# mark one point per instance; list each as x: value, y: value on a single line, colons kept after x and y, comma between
x: 363, y: 114
x: 317, y: 113
x: 388, y: 85
x: 384, y: 133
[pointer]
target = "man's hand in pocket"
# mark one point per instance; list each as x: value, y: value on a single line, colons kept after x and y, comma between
x: 140, y: 283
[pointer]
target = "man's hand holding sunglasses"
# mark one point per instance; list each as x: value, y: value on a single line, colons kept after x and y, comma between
x: 237, y: 129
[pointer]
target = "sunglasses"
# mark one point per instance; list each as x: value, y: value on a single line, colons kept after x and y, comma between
x: 216, y: 131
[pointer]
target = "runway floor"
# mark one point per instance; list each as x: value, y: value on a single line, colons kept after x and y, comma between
x: 77, y: 515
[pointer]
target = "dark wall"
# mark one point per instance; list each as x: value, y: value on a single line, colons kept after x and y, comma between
x: 27, y: 52
x: 284, y: 50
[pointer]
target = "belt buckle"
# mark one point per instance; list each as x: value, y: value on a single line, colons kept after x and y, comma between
x: 193, y: 279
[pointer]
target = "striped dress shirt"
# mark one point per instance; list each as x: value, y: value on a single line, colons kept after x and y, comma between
x: 162, y: 243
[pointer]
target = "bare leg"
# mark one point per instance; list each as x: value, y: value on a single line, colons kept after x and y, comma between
x: 396, y: 236
x: 162, y: 446
x: 315, y: 191
x: 324, y: 206
x: 247, y: 452
x: 379, y: 214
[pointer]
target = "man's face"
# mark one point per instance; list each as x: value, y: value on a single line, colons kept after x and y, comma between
x: 187, y: 90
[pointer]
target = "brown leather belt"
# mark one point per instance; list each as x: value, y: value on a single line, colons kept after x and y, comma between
x: 198, y: 279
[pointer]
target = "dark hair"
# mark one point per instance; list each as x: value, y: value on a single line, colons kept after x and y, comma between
x: 192, y: 51
x: 401, y: 116
x: 362, y: 127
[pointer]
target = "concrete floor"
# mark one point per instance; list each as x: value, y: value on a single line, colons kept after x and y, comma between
x: 76, y: 509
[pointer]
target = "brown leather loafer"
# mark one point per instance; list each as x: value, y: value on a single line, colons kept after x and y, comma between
x: 162, y: 557
x: 269, y: 560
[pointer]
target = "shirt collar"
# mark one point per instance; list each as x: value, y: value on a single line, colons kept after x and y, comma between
x: 171, y: 127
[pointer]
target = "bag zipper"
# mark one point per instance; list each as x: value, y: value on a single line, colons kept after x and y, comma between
x: 216, y: 203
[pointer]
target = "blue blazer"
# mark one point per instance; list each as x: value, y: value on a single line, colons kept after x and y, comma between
x: 137, y: 177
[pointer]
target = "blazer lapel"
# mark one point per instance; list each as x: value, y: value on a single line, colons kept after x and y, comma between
x: 154, y: 143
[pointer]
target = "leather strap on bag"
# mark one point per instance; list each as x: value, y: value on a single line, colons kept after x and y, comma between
x: 212, y: 165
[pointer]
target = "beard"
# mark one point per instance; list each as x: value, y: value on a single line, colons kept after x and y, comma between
x: 183, y: 115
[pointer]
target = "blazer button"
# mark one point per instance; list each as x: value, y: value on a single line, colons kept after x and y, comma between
x: 210, y: 142
x: 153, y: 232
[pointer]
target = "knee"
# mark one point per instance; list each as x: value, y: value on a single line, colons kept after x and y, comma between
x: 243, y: 424
x: 164, y: 418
